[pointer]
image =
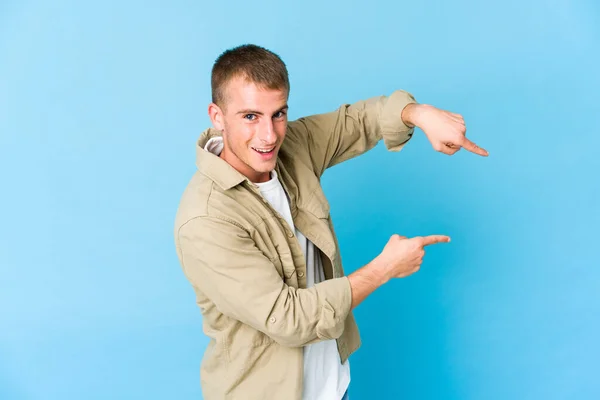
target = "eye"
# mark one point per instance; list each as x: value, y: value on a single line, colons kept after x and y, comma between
x: 250, y: 117
x: 279, y: 115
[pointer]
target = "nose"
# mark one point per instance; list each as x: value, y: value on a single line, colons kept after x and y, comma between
x: 267, y: 134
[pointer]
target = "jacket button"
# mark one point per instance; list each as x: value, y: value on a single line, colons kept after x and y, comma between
x: 272, y: 319
x: 290, y: 234
x: 300, y: 274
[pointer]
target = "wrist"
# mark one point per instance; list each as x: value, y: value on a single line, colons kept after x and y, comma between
x: 411, y: 114
x: 378, y: 271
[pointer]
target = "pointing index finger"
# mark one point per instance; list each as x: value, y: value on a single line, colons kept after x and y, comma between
x: 473, y: 148
x: 433, y: 239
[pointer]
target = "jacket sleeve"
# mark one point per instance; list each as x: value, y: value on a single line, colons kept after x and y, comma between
x: 353, y: 129
x: 223, y: 262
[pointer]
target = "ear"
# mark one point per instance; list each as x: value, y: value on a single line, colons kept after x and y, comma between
x: 216, y: 116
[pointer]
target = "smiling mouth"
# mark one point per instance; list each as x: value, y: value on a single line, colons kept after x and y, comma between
x: 264, y: 151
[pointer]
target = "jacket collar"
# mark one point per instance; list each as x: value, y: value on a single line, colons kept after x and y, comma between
x: 215, y: 168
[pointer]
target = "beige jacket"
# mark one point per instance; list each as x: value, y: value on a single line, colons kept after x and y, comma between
x: 245, y: 263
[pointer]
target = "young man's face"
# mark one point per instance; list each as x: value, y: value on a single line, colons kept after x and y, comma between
x: 253, y: 121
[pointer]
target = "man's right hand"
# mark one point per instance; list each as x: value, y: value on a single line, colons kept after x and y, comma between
x: 402, y: 257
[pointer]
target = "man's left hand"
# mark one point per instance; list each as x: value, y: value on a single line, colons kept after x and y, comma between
x: 445, y: 130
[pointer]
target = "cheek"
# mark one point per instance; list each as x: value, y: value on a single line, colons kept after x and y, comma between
x: 247, y: 132
x: 280, y: 130
x: 238, y: 133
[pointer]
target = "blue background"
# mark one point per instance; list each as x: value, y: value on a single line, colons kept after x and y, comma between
x: 100, y: 107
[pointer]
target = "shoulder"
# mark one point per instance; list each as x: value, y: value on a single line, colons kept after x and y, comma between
x: 297, y: 147
x: 204, y: 202
x: 194, y: 200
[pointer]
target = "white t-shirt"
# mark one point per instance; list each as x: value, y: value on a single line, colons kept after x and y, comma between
x: 325, y: 377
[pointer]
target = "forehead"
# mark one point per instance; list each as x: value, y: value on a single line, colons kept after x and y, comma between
x: 241, y: 93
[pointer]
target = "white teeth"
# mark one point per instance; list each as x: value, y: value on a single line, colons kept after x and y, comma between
x: 263, y: 150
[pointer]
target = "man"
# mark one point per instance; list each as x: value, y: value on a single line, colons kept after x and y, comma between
x: 255, y: 239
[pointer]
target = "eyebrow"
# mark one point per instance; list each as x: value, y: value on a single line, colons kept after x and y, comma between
x: 248, y: 111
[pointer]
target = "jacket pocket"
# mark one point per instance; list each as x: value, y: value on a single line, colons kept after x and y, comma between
x: 244, y: 336
x: 285, y: 263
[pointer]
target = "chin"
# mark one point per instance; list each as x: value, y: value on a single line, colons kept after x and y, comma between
x: 264, y: 168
